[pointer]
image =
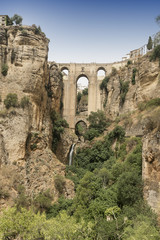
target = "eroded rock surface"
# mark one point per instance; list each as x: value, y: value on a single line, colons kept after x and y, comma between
x: 26, y: 134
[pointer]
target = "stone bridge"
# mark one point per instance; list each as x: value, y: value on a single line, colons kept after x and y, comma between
x: 88, y: 70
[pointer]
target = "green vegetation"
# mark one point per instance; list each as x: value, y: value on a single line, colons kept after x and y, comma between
x: 97, y: 124
x: 150, y: 43
x: 79, y: 95
x: 129, y: 63
x: 134, y: 76
x: 11, y: 100
x: 22, y: 199
x: 16, y: 19
x: 108, y: 203
x: 24, y: 102
x: 103, y: 85
x: 4, y: 69
x: 13, y: 56
x: 38, y: 30
x: 114, y: 72
x: 3, y: 113
x: 42, y: 202
x: 82, y: 99
x: 158, y: 19
x: 109, y: 188
x: 155, y: 102
x: 155, y: 54
x: 59, y: 183
x: 58, y: 128
x: 124, y: 86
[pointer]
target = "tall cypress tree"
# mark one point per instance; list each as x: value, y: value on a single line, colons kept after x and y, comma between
x: 150, y: 43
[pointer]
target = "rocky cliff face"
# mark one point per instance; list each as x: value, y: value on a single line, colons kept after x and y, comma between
x: 25, y: 133
x: 151, y: 170
x: 147, y: 86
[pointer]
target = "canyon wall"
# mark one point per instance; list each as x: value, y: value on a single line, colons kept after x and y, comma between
x: 26, y: 132
x: 137, y: 119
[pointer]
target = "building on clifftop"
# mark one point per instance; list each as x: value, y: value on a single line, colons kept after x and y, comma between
x: 4, y: 20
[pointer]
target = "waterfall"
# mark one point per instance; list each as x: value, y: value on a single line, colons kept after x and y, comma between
x: 71, y: 154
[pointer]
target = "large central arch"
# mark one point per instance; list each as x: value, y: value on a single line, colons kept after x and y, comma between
x: 89, y: 70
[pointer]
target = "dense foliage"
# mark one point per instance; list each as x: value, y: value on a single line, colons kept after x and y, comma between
x: 16, y: 19
x: 108, y: 204
x: 97, y: 124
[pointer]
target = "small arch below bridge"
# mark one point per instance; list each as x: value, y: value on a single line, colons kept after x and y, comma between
x: 81, y: 127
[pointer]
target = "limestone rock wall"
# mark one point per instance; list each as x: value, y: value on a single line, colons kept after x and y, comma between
x: 151, y: 170
x: 25, y: 134
x: 147, y: 86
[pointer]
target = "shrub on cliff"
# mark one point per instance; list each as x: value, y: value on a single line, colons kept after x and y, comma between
x: 104, y: 83
x: 155, y: 54
x: 43, y: 201
x: 124, y: 86
x: 4, y: 69
x: 11, y: 100
x: 24, y: 102
x: 59, y: 183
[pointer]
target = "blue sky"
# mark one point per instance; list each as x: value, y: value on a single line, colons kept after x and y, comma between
x: 89, y: 31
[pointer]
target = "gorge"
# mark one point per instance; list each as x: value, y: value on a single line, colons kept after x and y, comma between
x: 36, y: 144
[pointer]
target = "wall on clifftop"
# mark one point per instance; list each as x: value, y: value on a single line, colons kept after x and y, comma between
x: 25, y: 134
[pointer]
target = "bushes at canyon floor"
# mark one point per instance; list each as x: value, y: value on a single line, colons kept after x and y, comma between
x: 108, y: 203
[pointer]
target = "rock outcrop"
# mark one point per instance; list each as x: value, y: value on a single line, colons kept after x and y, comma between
x: 151, y: 170
x: 145, y: 87
x: 25, y: 133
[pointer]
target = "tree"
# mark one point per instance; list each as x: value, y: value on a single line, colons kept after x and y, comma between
x: 85, y: 91
x: 129, y: 187
x: 141, y: 228
x: 79, y: 95
x: 21, y: 225
x: 158, y: 19
x: 17, y: 19
x: 150, y: 43
x: 97, y: 120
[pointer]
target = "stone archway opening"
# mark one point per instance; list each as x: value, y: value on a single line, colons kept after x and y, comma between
x: 101, y: 73
x: 82, y: 96
x: 65, y: 72
x: 80, y: 128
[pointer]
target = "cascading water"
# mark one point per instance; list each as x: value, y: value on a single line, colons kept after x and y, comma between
x: 71, y: 154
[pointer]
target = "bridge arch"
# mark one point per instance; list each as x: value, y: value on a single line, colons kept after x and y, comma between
x: 65, y: 70
x: 82, y: 86
x: 101, y: 73
x: 101, y: 68
x: 81, y: 127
